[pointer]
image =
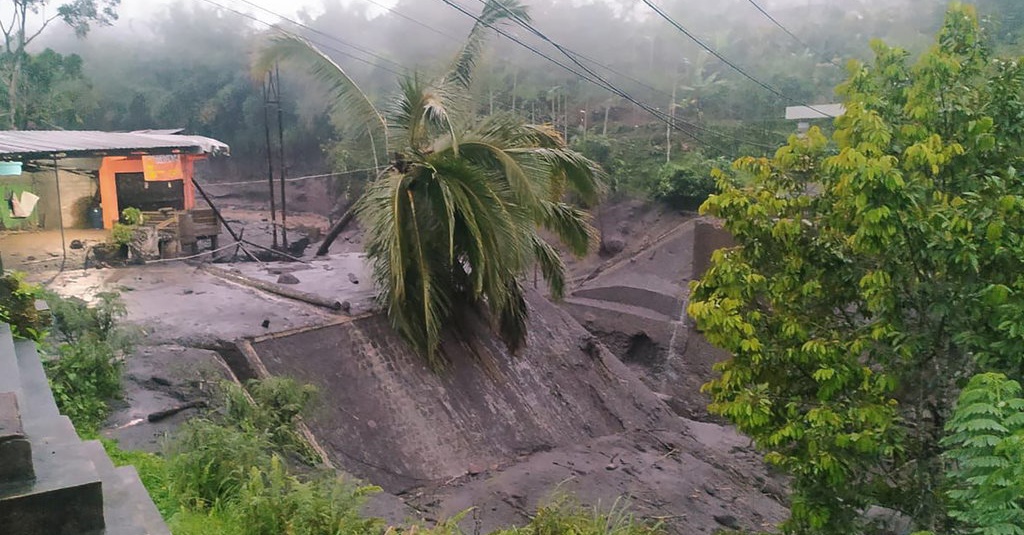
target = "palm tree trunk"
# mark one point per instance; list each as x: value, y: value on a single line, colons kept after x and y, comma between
x: 336, y: 229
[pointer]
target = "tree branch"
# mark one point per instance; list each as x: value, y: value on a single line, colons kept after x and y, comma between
x: 41, y: 28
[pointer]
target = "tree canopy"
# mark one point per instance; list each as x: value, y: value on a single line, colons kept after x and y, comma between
x: 874, y: 275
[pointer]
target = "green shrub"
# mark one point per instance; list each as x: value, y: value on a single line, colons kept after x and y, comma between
x: 18, y: 307
x: 87, y: 357
x: 74, y: 320
x: 687, y: 183
x: 276, y: 407
x: 273, y: 502
x: 131, y: 216
x: 122, y: 234
x: 208, y: 463
x: 84, y: 377
x: 563, y: 516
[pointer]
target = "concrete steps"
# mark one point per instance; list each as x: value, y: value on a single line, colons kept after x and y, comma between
x: 76, y: 489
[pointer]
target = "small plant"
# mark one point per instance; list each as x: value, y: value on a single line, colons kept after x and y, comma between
x: 121, y: 234
x: 132, y: 216
x: 18, y: 307
x: 124, y: 230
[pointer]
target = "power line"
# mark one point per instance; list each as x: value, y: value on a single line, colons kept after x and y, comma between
x: 791, y: 34
x: 725, y: 60
x: 518, y: 41
x: 294, y: 179
x: 414, y: 20
x: 326, y: 47
x: 602, y: 82
x: 331, y: 37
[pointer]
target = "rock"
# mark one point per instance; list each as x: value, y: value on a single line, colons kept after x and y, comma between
x: 352, y: 278
x: 710, y: 490
x: 265, y: 324
x: 612, y: 247
x: 31, y: 258
x: 346, y: 307
x: 188, y: 292
x: 77, y: 244
x: 160, y: 380
x: 728, y: 521
x: 287, y: 278
x: 299, y: 246
x: 611, y: 467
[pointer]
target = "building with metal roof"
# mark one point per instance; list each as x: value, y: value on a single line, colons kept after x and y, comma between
x: 26, y: 145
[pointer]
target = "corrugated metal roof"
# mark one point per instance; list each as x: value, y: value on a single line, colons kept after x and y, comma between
x: 818, y: 111
x: 29, y: 144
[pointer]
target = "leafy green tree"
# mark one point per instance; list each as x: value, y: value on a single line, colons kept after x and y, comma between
x: 872, y: 277
x: 19, y: 32
x: 452, y: 218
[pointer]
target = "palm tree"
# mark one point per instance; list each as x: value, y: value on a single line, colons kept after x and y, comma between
x: 452, y: 218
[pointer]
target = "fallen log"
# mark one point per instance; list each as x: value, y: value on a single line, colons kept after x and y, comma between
x: 163, y: 415
x: 276, y: 289
x: 335, y: 231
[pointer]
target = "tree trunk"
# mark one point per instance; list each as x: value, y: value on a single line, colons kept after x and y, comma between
x: 12, y: 91
x: 336, y: 230
x: 604, y: 130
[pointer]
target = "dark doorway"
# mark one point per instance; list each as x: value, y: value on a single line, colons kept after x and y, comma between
x: 134, y: 191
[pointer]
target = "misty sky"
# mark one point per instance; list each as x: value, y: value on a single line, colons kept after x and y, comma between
x: 288, y: 8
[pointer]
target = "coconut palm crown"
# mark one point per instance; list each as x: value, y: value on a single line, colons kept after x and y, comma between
x: 452, y: 218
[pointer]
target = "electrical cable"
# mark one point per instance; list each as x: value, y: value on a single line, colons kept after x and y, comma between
x: 326, y: 47
x: 785, y: 29
x: 605, y: 84
x: 328, y: 36
x: 725, y: 60
x: 293, y: 179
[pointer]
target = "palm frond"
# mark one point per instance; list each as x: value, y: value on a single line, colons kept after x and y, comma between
x: 349, y: 98
x: 494, y: 12
x: 423, y: 111
x: 571, y: 224
x: 551, y: 266
x: 512, y: 315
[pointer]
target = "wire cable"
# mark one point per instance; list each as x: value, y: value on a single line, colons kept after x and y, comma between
x: 293, y: 179
x: 658, y: 114
x: 328, y: 36
x: 725, y: 60
x: 604, y: 83
x: 791, y: 34
x: 322, y: 45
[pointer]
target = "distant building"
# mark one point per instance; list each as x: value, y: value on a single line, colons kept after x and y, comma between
x: 806, y: 114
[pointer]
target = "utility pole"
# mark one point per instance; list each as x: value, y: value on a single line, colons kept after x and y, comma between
x: 670, y: 124
x: 280, y: 157
x: 270, y: 159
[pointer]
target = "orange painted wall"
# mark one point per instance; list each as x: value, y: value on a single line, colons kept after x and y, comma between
x: 112, y: 165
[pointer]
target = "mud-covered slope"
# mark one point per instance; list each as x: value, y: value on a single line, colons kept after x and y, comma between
x: 383, y: 415
x: 504, y: 433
